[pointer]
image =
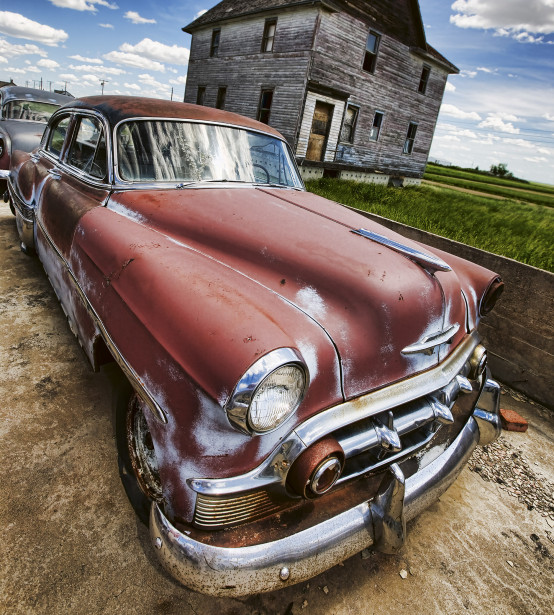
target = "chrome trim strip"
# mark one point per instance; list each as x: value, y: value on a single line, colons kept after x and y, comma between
x: 274, y: 469
x: 428, y: 343
x: 427, y: 261
x: 246, y: 570
x: 137, y: 382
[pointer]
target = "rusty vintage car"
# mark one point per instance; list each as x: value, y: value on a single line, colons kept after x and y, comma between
x: 23, y: 116
x: 302, y: 381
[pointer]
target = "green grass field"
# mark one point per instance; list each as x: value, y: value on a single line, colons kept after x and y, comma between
x: 541, y: 194
x: 520, y: 231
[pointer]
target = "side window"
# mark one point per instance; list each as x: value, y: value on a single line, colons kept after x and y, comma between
x: 214, y: 47
x: 410, y: 138
x: 424, y: 79
x: 376, y: 127
x: 57, y: 136
x: 269, y: 35
x: 201, y: 95
x: 349, y: 125
x: 88, y: 149
x: 221, y: 95
x: 371, y: 49
x: 264, y: 108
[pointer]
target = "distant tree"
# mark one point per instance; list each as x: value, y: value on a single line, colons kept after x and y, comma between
x: 501, y: 170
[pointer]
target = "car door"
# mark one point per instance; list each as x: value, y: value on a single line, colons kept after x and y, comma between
x: 75, y: 179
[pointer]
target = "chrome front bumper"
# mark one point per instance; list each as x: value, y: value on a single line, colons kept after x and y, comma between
x: 379, y: 523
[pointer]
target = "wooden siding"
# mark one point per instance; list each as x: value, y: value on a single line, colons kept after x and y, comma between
x: 392, y: 89
x: 244, y: 70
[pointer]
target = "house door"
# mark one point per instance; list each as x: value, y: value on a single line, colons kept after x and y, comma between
x: 323, y: 114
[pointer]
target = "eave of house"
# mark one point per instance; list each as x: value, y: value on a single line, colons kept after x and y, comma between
x: 432, y: 56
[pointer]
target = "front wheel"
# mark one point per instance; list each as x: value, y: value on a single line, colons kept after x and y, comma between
x: 138, y: 465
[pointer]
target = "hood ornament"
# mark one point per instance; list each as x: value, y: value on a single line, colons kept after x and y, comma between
x: 428, y: 344
x: 429, y: 262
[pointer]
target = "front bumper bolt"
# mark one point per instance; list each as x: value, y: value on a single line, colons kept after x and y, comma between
x: 284, y: 573
x: 158, y: 543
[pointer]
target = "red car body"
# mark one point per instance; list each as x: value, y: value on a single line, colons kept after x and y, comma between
x: 214, y: 294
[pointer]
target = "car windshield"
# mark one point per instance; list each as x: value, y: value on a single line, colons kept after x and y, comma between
x: 28, y: 110
x: 164, y: 151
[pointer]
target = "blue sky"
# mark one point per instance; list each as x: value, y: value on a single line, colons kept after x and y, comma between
x: 499, y: 109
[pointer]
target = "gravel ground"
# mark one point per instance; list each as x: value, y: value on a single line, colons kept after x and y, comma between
x: 72, y: 544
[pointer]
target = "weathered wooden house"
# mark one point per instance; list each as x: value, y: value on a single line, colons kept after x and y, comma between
x: 352, y: 85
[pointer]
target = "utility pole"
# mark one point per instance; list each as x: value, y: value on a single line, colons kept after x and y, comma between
x: 171, y: 93
x: 102, y: 83
x: 49, y: 86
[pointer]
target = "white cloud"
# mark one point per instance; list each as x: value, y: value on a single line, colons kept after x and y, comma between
x: 8, y: 50
x: 484, y: 69
x: 178, y: 80
x: 498, y: 123
x: 549, y: 117
x: 88, y: 60
x: 468, y: 73
x: 449, y: 87
x: 200, y: 13
x: 134, y: 17
x: 99, y: 70
x: 536, y: 159
x: 106, y: 25
x: 3, y: 60
x: 134, y: 60
x: 454, y: 111
x: 132, y: 86
x: 14, y: 71
x: 49, y: 64
x: 82, y: 5
x: 68, y: 77
x: 16, y: 25
x: 158, y: 51
x: 507, y: 18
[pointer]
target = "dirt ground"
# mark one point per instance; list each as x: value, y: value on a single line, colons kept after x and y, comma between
x: 71, y: 542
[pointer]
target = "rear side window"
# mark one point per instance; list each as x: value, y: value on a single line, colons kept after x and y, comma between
x: 57, y: 136
x: 88, y: 150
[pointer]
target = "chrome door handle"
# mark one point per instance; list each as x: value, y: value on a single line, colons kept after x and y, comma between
x: 34, y: 157
x: 54, y: 173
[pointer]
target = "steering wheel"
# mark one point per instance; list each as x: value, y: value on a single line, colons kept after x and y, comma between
x: 264, y: 170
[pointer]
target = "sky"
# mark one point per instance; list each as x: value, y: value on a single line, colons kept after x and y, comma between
x: 499, y: 109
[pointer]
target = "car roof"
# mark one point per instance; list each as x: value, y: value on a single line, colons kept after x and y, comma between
x: 17, y: 92
x: 119, y: 108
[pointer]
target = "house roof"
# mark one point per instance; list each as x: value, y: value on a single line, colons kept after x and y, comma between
x: 399, y: 19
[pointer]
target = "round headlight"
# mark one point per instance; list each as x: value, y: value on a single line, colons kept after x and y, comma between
x: 276, y: 398
x: 268, y: 392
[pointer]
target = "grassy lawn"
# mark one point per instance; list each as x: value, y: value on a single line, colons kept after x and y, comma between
x: 517, y: 230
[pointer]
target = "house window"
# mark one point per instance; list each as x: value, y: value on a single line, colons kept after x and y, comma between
x: 371, y: 49
x: 220, y: 100
x: 424, y: 79
x: 349, y: 124
x: 264, y: 108
x: 376, y: 127
x: 214, y: 47
x: 201, y: 95
x: 410, y: 137
x: 269, y: 34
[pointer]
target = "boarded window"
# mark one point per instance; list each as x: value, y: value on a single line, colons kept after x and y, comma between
x: 371, y: 49
x: 410, y: 138
x: 349, y: 124
x: 376, y: 127
x: 201, y: 95
x: 220, y: 100
x: 269, y: 35
x: 264, y: 108
x: 424, y: 79
x: 214, y: 47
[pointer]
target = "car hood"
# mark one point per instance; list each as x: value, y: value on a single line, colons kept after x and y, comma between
x: 24, y: 135
x: 371, y: 300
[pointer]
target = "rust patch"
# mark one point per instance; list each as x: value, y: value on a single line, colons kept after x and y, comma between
x: 115, y: 275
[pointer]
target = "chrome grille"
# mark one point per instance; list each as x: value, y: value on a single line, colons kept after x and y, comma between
x: 218, y: 512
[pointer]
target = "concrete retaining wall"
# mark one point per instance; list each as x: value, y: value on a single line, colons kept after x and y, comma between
x: 519, y: 333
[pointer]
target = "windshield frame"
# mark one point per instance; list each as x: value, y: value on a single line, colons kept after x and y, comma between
x: 179, y: 184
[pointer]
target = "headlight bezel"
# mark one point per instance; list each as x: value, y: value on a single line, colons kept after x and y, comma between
x: 239, y: 403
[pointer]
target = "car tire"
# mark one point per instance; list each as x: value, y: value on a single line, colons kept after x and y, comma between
x: 136, y: 455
